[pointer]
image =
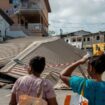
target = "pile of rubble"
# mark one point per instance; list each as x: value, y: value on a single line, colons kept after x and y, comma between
x: 58, y: 55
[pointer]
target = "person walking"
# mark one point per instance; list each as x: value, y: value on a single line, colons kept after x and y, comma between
x: 22, y: 85
x: 94, y: 88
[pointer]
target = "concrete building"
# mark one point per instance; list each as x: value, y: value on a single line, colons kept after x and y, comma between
x: 85, y: 40
x: 94, y: 38
x: 76, y: 38
x: 31, y: 16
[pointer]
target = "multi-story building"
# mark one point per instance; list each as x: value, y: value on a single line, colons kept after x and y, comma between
x: 93, y: 38
x: 76, y: 38
x: 85, y: 40
x: 31, y: 16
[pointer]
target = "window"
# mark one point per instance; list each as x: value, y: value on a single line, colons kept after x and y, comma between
x: 6, y: 11
x: 79, y: 40
x: 74, y: 40
x: 15, y: 6
x: 10, y: 1
x: 67, y: 40
x: 22, y: 22
x: 98, y: 38
x: 88, y: 39
x: 84, y: 39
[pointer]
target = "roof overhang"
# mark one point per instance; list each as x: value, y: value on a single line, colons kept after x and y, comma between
x: 48, y: 5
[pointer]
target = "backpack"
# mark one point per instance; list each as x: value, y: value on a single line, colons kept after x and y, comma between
x: 26, y: 99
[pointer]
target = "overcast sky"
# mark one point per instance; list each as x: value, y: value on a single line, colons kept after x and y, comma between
x: 73, y: 15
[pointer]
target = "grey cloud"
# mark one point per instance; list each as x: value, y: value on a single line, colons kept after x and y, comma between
x: 78, y: 11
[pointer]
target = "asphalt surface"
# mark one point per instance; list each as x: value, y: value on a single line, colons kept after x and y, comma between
x: 60, y: 94
x: 4, y: 96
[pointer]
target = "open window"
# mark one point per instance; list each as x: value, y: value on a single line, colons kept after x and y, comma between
x: 10, y: 1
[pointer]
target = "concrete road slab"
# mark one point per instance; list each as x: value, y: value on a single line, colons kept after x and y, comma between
x: 5, y: 96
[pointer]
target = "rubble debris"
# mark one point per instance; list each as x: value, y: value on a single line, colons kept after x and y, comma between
x: 55, y: 51
x: 2, y: 84
x: 61, y: 85
x: 7, y: 86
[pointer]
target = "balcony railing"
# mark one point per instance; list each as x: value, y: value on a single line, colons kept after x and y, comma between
x: 38, y: 27
x: 29, y: 6
x: 35, y: 27
x: 32, y: 28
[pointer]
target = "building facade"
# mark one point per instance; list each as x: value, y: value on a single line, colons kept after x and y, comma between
x: 85, y: 40
x: 31, y: 16
x: 76, y: 38
x: 94, y: 38
x: 76, y: 41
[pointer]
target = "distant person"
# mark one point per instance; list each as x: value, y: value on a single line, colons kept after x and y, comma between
x: 22, y: 85
x: 94, y: 88
x: 0, y: 33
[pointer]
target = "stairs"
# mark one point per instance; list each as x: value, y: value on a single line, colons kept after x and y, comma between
x: 6, y: 17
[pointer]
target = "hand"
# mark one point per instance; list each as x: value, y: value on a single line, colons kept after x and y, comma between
x: 84, y: 59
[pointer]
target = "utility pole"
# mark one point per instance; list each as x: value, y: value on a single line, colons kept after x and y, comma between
x: 61, y: 33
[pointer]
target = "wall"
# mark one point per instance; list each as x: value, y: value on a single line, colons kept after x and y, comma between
x: 3, y: 25
x: 87, y: 43
x: 15, y: 34
x: 43, y: 7
x: 93, y: 39
x: 15, y: 19
x: 77, y: 43
x: 4, y: 4
x: 101, y: 38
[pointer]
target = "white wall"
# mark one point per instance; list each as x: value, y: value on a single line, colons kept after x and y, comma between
x: 15, y: 34
x: 42, y: 5
x: 76, y: 44
x: 3, y: 25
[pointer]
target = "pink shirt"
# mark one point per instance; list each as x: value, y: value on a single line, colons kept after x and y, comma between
x: 23, y: 84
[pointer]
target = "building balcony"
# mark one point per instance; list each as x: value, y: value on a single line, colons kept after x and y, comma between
x: 31, y: 28
x: 37, y: 27
x: 32, y: 9
x: 28, y: 8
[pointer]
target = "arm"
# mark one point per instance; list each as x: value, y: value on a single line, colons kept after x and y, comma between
x: 52, y: 101
x: 50, y: 94
x: 13, y: 100
x: 67, y: 72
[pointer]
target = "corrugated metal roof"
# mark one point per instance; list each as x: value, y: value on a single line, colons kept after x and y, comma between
x: 81, y: 32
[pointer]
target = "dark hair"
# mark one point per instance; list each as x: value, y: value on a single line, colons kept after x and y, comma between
x: 37, y: 64
x: 98, y: 63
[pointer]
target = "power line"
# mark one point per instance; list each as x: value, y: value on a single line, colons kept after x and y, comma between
x: 61, y: 22
x: 66, y: 27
